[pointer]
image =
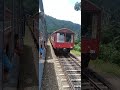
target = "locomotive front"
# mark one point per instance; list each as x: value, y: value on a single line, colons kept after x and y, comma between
x: 63, y: 40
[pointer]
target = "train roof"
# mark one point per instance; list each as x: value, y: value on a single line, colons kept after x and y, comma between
x: 63, y: 30
x: 87, y: 5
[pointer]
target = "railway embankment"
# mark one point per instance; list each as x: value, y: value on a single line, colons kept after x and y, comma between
x: 49, y: 80
x: 110, y: 72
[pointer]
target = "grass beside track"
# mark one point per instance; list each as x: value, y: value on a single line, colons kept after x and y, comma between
x: 76, y: 53
x: 105, y: 67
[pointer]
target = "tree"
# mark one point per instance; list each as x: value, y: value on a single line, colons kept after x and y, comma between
x: 77, y: 6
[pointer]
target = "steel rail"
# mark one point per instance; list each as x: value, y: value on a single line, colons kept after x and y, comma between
x: 97, y: 84
x: 93, y: 83
x: 70, y: 55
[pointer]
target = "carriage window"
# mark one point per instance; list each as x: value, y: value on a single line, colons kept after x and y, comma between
x: 60, y: 37
x: 69, y: 37
x: 86, y: 31
x: 89, y: 26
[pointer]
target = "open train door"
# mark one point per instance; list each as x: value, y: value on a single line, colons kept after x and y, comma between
x: 90, y: 31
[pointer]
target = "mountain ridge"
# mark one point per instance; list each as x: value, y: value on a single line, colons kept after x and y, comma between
x: 54, y: 24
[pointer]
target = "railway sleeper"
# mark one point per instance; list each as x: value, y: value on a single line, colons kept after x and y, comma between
x: 66, y: 88
x: 65, y: 85
x: 58, y: 66
x: 73, y: 70
x: 60, y: 74
x: 76, y: 83
x: 101, y: 85
x: 104, y: 88
x: 77, y: 86
x: 68, y: 61
x: 72, y: 80
x: 85, y: 84
x: 74, y: 74
x: 72, y: 65
x: 59, y: 70
x: 66, y: 64
x: 88, y: 88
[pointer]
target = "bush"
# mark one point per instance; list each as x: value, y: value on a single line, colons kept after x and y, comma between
x: 77, y: 47
x: 115, y: 57
x: 108, y: 53
x: 77, y: 41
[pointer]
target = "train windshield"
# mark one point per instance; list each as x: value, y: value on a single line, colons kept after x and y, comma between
x: 60, y: 37
x: 69, y: 37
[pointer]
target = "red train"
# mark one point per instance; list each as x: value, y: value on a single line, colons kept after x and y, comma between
x: 63, y: 40
x: 90, y: 32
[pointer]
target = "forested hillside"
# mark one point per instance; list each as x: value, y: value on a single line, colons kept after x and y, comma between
x: 54, y: 24
x: 110, y: 33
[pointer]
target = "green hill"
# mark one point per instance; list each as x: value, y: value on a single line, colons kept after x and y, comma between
x: 54, y: 24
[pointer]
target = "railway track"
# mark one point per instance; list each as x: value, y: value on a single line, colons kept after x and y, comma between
x: 72, y: 71
x: 92, y: 81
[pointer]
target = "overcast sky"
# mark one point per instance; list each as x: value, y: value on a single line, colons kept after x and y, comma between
x: 62, y: 9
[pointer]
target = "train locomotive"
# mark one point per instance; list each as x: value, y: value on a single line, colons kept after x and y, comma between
x: 90, y: 32
x: 62, y: 40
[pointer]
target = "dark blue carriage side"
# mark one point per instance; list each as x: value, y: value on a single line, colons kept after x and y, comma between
x: 11, y: 32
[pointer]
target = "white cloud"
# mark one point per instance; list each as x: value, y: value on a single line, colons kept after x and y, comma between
x: 62, y: 9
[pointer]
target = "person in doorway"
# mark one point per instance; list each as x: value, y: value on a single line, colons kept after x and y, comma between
x: 45, y: 44
x: 41, y: 51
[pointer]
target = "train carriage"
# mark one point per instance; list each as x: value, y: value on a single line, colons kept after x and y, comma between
x: 11, y: 42
x: 63, y: 40
x: 90, y: 31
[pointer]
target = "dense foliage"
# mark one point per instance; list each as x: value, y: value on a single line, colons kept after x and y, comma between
x: 77, y: 46
x: 77, y: 6
x: 110, y: 33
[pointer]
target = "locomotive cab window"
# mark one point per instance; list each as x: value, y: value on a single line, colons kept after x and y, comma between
x: 89, y: 27
x: 69, y: 37
x: 60, y: 37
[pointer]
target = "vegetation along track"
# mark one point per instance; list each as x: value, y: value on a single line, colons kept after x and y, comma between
x: 92, y: 81
x: 72, y: 71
